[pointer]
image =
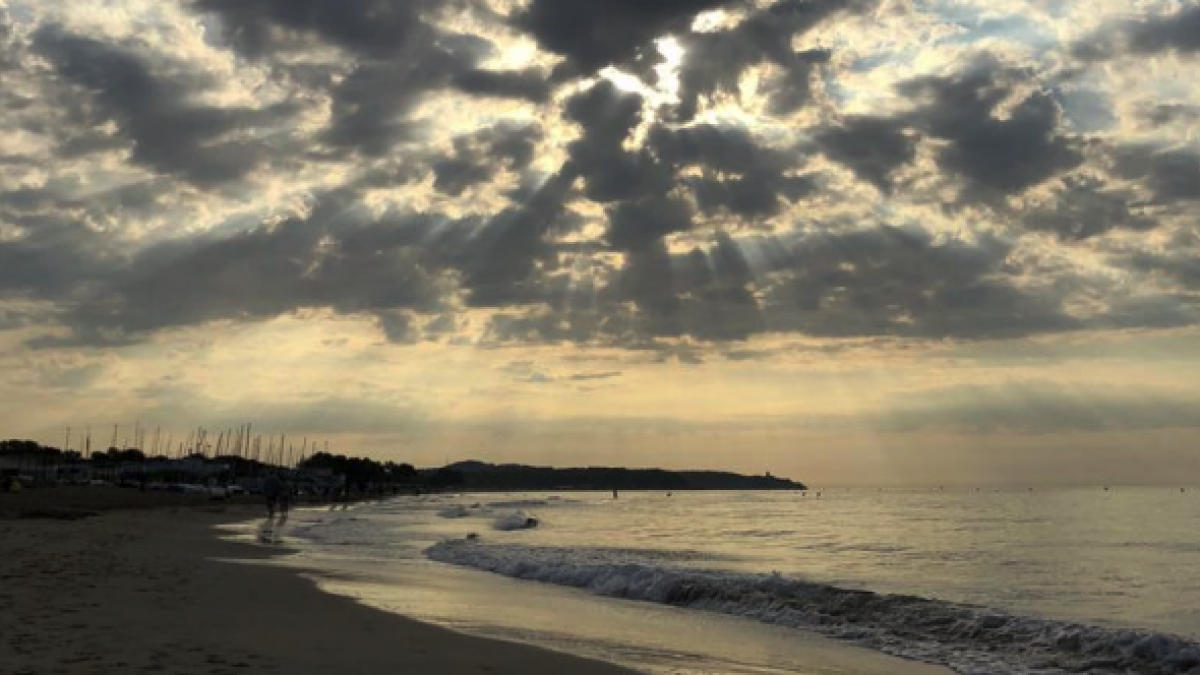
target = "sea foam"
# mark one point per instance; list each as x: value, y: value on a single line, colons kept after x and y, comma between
x: 517, y: 520
x: 966, y: 638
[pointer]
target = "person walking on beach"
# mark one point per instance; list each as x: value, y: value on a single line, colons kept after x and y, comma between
x: 273, y: 489
x: 285, y: 499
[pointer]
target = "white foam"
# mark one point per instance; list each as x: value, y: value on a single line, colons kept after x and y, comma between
x: 517, y: 520
x: 966, y: 638
x: 454, y: 512
x: 518, y: 504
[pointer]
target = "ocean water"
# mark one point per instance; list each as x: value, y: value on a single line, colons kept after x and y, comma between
x: 1045, y: 581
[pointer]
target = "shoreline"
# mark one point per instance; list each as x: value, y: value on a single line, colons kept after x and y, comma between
x: 160, y: 590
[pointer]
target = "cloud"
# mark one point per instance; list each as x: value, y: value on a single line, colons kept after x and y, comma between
x: 530, y: 84
x: 262, y: 273
x: 168, y: 132
x: 587, y: 377
x: 472, y: 172
x: 903, y: 282
x: 372, y: 104
x: 1087, y: 207
x: 717, y: 60
x: 479, y: 156
x: 872, y: 147
x: 1039, y: 407
x: 1177, y: 32
x: 722, y: 167
x: 1173, y: 175
x: 592, y: 34
x: 375, y: 28
x: 399, y: 57
x: 607, y: 117
x: 996, y: 154
x: 640, y: 223
x: 532, y: 376
x: 736, y: 173
x: 500, y: 263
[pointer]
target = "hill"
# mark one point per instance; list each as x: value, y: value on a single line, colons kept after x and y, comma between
x: 476, y: 475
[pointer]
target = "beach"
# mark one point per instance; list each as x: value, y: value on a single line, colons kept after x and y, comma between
x: 152, y: 589
x: 102, y: 580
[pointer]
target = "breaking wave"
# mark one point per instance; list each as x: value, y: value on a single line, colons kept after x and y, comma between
x: 518, y: 520
x: 966, y: 638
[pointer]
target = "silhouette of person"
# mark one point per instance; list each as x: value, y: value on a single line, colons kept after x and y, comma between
x: 273, y: 489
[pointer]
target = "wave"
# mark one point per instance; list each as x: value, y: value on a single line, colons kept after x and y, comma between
x: 454, y: 512
x: 518, y: 504
x: 518, y: 520
x: 966, y: 638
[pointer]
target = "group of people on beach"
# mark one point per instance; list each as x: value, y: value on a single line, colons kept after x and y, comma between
x: 278, y: 491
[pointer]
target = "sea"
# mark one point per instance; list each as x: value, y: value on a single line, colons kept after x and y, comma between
x: 1096, y: 580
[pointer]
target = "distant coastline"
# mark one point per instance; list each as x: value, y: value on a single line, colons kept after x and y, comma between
x: 242, y: 466
x: 482, y: 476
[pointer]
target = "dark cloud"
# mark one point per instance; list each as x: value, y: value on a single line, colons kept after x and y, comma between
x: 8, y: 51
x: 398, y: 58
x: 704, y: 294
x: 323, y: 261
x: 737, y: 174
x: 996, y: 154
x: 1163, y: 114
x: 1180, y: 267
x: 607, y: 117
x: 502, y: 262
x: 15, y: 317
x: 168, y: 131
x: 586, y: 377
x: 376, y: 28
x: 1086, y: 207
x: 638, y: 223
x: 478, y: 157
x: 531, y: 84
x: 1178, y: 32
x: 866, y: 283
x: 901, y: 282
x: 724, y: 168
x: 57, y: 251
x: 1173, y: 175
x: 371, y: 106
x: 399, y: 326
x: 51, y: 261
x: 871, y: 147
x: 592, y: 34
x: 716, y: 61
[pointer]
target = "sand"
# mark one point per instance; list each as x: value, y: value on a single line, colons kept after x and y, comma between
x: 151, y: 590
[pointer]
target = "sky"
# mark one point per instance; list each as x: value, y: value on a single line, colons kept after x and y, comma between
x: 853, y: 242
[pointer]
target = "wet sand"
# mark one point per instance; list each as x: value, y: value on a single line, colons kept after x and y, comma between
x: 153, y: 590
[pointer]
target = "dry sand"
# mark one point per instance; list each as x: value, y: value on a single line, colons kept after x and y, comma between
x: 146, y: 591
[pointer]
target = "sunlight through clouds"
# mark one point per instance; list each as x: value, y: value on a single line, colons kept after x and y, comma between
x: 801, y: 212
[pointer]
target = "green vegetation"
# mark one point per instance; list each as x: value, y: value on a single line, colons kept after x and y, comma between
x: 361, y: 469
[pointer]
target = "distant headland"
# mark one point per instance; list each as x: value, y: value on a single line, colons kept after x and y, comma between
x: 476, y: 475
